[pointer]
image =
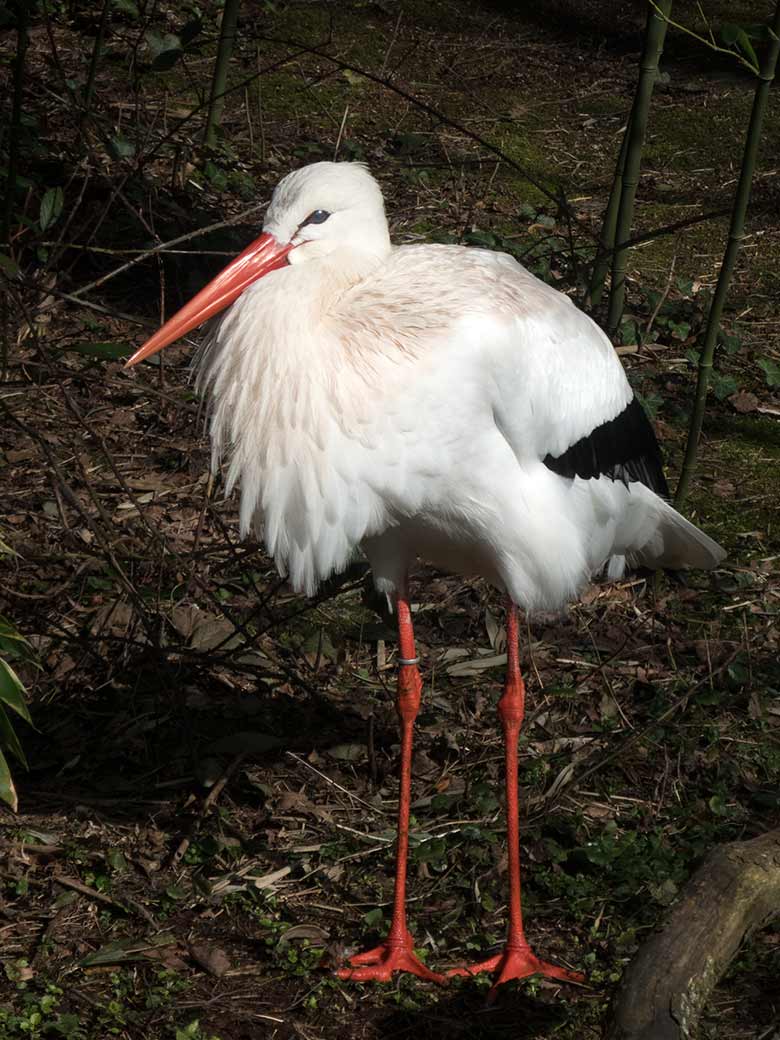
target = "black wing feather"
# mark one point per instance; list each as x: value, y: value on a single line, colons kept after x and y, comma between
x: 624, y: 448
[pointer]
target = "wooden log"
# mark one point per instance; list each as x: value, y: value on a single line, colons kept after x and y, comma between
x: 665, y: 987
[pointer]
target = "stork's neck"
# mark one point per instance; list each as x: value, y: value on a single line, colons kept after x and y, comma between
x: 322, y: 273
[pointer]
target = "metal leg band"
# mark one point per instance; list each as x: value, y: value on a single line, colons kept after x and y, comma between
x: 408, y: 660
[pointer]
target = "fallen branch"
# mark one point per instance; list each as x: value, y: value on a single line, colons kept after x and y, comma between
x: 666, y: 986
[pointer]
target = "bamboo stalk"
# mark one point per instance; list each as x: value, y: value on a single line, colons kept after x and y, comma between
x: 736, y: 232
x: 227, y: 38
x: 14, y: 138
x: 655, y: 34
x: 16, y: 122
x: 603, y: 256
x: 89, y: 86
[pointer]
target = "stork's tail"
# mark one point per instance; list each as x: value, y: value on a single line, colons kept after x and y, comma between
x: 677, y: 544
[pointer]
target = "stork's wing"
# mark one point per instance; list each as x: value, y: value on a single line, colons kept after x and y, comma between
x: 562, y: 394
x: 624, y: 448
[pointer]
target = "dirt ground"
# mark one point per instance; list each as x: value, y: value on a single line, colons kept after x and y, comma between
x: 206, y: 825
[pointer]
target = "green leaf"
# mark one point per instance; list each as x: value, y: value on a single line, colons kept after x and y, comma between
x: 354, y: 78
x: 723, y: 386
x: 7, y: 630
x: 7, y: 789
x: 126, y: 950
x: 106, y: 351
x: 8, y: 266
x: 51, y: 207
x: 433, y: 851
x: 374, y: 918
x: 217, y: 177
x: 165, y: 49
x: 735, y: 36
x: 650, y: 402
x: 680, y: 329
x: 771, y: 371
x: 167, y: 59
x: 744, y: 44
x: 731, y: 344
x: 116, y: 860
x: 12, y: 691
x: 729, y: 33
x: 127, y: 7
x: 190, y: 1032
x: 483, y: 239
x: 120, y: 147
x: 717, y: 805
x: 9, y: 739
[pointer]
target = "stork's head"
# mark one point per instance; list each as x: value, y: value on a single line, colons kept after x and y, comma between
x: 314, y: 211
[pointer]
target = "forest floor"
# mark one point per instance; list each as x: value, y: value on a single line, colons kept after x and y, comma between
x: 206, y: 825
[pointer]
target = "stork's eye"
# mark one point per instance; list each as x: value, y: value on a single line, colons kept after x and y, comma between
x: 319, y: 216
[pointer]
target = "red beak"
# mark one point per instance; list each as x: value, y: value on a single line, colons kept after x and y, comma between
x: 263, y: 255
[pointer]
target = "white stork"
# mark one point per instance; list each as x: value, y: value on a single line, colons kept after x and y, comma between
x: 425, y: 401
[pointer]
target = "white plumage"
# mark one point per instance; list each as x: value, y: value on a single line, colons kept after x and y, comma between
x: 425, y: 401
x: 401, y: 400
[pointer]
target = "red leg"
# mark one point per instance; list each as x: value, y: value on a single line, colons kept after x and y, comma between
x: 516, y: 961
x: 396, y: 953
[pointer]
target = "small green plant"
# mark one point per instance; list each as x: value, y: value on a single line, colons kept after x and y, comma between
x: 39, y: 1014
x: 194, y: 1032
x: 12, y: 699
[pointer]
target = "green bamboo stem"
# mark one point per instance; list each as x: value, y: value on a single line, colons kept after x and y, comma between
x: 736, y: 232
x: 603, y: 257
x: 16, y: 124
x: 89, y: 86
x: 655, y: 34
x: 227, y: 37
x: 14, y: 138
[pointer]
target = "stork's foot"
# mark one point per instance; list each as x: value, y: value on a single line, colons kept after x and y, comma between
x: 379, y: 964
x: 517, y: 962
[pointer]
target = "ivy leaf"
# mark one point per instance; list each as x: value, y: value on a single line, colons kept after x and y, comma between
x: 723, y: 386
x: 51, y: 207
x: 127, y: 7
x: 165, y: 49
x: 718, y: 805
x: 731, y: 344
x: 8, y: 266
x: 771, y: 371
x: 120, y: 147
x: 483, y: 239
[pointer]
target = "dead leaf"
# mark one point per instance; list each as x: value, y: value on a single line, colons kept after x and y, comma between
x: 169, y: 957
x: 212, y: 959
x: 114, y: 618
x: 475, y: 665
x: 294, y: 801
x: 495, y: 631
x: 305, y: 931
x: 184, y: 618
x: 596, y: 811
x: 269, y: 880
x: 744, y: 402
x: 723, y: 488
x: 212, y: 631
x: 347, y: 752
